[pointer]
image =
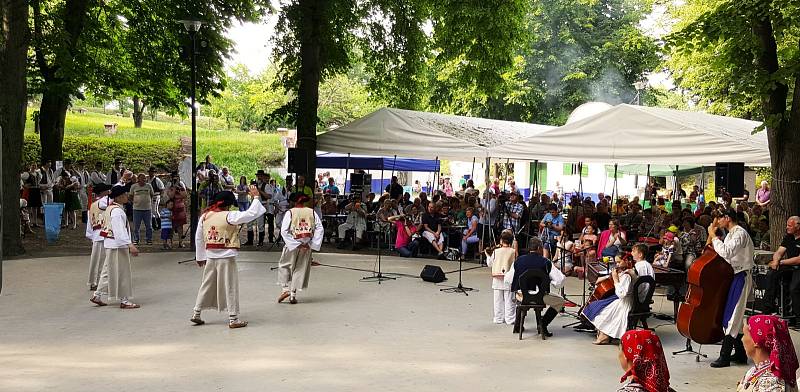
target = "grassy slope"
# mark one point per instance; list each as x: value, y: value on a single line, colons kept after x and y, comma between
x: 243, y: 152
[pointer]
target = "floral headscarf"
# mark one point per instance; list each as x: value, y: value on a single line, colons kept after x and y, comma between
x: 772, y: 334
x: 643, y: 349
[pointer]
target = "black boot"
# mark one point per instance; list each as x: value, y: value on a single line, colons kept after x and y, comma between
x: 547, y: 318
x: 250, y: 237
x: 261, y: 238
x: 724, y: 359
x: 739, y: 355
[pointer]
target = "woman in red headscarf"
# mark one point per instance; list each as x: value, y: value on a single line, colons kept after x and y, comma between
x: 767, y: 342
x: 642, y: 359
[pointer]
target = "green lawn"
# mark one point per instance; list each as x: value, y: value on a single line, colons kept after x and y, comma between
x: 243, y: 152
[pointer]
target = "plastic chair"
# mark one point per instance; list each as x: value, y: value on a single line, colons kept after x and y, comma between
x: 641, y: 306
x: 533, y: 284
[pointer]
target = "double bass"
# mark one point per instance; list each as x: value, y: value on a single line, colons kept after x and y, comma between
x: 708, y: 281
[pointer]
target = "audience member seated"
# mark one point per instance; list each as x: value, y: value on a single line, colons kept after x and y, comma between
x: 329, y: 206
x: 586, y: 248
x: 382, y: 216
x: 513, y: 213
x: 670, y: 248
x: 405, y: 201
x: 641, y: 356
x: 432, y: 229
x: 470, y: 234
x: 331, y: 188
x: 601, y: 217
x: 692, y: 240
x: 535, y: 260
x: 767, y: 342
x: 406, y: 242
x: 538, y: 211
x: 611, y: 240
x: 356, y: 220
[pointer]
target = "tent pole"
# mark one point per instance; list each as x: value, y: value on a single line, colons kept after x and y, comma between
x: 472, y: 173
x: 394, y: 164
x: 676, y: 194
x: 646, y: 194
x: 702, y: 179
x: 535, y: 189
x: 487, y: 171
x: 436, y: 176
x: 505, y: 180
x: 614, y: 187
x: 580, y: 179
x: 346, y: 173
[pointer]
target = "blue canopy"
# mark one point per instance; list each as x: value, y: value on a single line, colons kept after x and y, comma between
x: 327, y: 160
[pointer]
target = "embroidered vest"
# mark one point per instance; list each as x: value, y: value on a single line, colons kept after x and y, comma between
x: 219, y: 234
x: 106, y: 231
x: 302, y: 225
x: 96, y: 215
x: 503, y: 259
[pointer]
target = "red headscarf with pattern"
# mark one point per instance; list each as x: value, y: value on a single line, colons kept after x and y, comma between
x: 771, y: 333
x: 643, y: 350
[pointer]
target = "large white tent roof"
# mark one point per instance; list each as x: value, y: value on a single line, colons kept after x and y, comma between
x: 639, y: 134
x: 413, y: 134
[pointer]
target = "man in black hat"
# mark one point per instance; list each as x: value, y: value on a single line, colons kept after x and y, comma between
x: 302, y: 232
x: 97, y: 176
x: 116, y: 278
x: 217, y: 245
x: 94, y: 226
x: 84, y: 181
x: 158, y: 189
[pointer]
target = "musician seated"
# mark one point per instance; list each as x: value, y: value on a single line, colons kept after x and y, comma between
x: 535, y: 260
x: 787, y: 255
x: 610, y: 315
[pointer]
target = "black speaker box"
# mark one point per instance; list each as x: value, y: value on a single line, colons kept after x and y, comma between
x: 729, y: 177
x: 432, y: 273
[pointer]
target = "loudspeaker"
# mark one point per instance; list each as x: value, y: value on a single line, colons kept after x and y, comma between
x: 729, y: 177
x: 433, y: 274
x: 296, y: 160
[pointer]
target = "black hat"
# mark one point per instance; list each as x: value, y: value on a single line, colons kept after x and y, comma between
x: 261, y: 173
x: 118, y: 160
x: 298, y: 197
x: 152, y: 169
x: 100, y: 188
x: 80, y: 162
x: 68, y: 161
x: 226, y: 197
x: 117, y: 190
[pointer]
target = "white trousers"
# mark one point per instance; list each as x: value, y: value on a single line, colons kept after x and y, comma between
x: 116, y: 279
x: 220, y: 286
x: 504, y: 307
x: 96, y: 263
x: 294, y: 268
x: 47, y: 196
x: 84, y: 198
x: 347, y: 226
x: 431, y: 238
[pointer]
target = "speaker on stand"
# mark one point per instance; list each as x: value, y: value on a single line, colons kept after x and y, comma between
x: 729, y: 178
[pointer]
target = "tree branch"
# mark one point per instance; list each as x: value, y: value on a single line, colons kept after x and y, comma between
x: 775, y: 101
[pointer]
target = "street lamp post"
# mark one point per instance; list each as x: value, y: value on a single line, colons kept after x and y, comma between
x: 192, y: 27
x: 639, y: 86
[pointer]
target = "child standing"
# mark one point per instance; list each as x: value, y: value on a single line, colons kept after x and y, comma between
x: 500, y: 262
x: 166, y: 224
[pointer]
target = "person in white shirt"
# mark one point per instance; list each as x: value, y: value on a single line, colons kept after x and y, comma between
x: 737, y: 249
x: 47, y: 182
x: 85, y: 182
x: 94, y: 226
x: 302, y: 232
x: 97, y: 176
x: 217, y: 246
x: 115, y: 174
x: 226, y: 179
x: 158, y: 189
x: 265, y: 223
x: 116, y: 278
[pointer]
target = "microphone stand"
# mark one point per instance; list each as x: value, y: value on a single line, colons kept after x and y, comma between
x: 460, y: 288
x: 377, y: 276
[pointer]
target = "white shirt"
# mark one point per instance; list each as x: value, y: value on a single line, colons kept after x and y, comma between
x: 489, y: 214
x: 83, y: 178
x: 97, y: 178
x: 234, y: 218
x: 644, y: 268
x: 119, y: 225
x: 92, y: 234
x: 291, y: 243
x: 737, y: 249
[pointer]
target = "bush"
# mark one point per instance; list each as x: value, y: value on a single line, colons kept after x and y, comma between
x: 139, y: 155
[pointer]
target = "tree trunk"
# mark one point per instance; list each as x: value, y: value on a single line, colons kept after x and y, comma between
x: 308, y: 92
x: 138, y: 112
x: 13, y: 107
x: 52, y: 115
x: 785, y: 192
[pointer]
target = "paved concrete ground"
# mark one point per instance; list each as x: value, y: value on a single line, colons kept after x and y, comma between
x: 345, y: 335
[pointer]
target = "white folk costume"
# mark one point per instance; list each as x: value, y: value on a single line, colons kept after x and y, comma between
x: 94, y: 226
x: 217, y: 243
x: 302, y: 232
x: 612, y: 318
x: 116, y: 278
x: 500, y: 262
x: 737, y: 250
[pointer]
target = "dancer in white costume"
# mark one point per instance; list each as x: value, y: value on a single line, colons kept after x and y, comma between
x: 302, y: 232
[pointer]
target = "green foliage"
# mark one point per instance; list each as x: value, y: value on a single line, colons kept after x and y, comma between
x: 159, y: 143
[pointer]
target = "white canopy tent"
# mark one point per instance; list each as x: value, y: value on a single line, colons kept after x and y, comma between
x: 646, y: 135
x: 413, y: 134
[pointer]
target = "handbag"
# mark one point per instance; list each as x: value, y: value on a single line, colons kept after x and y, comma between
x: 156, y: 223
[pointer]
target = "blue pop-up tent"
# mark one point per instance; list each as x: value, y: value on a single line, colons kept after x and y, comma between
x: 327, y: 160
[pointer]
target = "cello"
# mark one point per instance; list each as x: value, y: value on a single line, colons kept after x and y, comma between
x: 708, y: 281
